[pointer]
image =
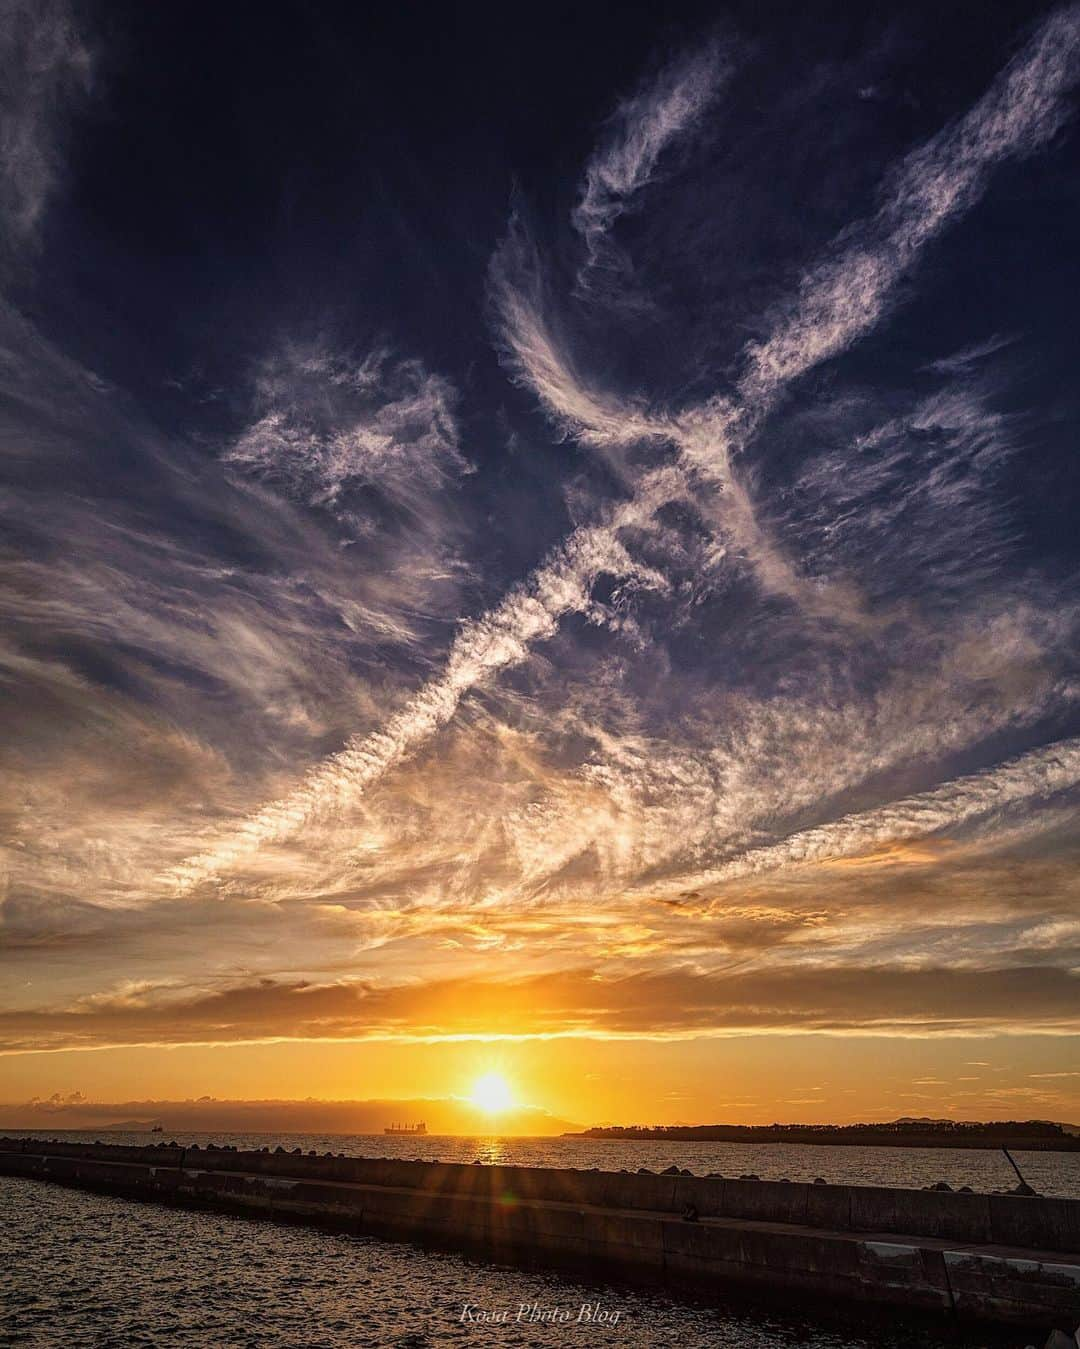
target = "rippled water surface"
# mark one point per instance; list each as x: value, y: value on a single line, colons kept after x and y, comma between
x: 86, y: 1271
x: 1052, y: 1173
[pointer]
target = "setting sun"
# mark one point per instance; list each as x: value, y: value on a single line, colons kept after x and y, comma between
x: 492, y: 1093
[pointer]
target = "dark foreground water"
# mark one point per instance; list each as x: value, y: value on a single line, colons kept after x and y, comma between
x: 86, y: 1271
x: 1051, y: 1173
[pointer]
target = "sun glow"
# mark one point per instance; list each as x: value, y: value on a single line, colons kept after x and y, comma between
x: 492, y: 1093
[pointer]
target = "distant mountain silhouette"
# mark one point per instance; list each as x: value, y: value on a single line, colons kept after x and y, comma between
x: 1038, y: 1135
x: 443, y: 1116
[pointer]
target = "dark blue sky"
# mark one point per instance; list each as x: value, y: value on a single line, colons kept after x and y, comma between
x: 252, y: 172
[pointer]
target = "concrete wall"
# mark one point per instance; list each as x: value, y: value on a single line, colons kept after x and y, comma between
x: 985, y: 1256
x: 1008, y: 1220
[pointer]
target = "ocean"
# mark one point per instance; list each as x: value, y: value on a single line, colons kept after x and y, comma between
x: 89, y: 1271
x: 80, y: 1269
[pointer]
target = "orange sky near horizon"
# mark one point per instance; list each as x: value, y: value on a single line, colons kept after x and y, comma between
x: 738, y: 1079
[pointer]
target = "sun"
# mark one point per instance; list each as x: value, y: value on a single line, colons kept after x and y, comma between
x: 492, y: 1093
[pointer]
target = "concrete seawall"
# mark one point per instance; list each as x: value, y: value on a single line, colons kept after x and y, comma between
x: 1000, y: 1258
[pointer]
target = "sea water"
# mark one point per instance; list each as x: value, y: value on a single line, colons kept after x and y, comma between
x: 87, y: 1271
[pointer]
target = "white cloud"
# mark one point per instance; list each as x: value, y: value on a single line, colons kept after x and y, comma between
x: 642, y: 128
x: 840, y: 299
x: 501, y: 638
x: 538, y: 357
x: 327, y: 425
x: 845, y: 295
x: 1038, y: 774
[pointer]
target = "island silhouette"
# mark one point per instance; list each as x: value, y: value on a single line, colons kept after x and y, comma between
x: 1028, y: 1135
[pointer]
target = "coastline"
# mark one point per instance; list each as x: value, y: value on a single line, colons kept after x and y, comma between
x: 838, y: 1137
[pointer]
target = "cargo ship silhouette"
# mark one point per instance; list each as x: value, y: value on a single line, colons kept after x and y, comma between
x: 420, y: 1128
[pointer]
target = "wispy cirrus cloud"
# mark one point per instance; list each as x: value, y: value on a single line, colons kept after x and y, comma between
x: 500, y: 639
x: 327, y: 428
x: 839, y: 300
x: 44, y: 63
x: 845, y: 294
x: 1039, y: 774
x: 536, y: 353
x: 641, y: 130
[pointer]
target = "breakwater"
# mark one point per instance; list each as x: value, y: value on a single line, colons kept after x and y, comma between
x: 986, y: 1257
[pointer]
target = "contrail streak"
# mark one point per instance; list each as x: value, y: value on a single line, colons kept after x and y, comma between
x: 1040, y: 773
x: 498, y: 640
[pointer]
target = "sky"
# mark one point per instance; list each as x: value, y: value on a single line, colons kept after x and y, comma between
x: 540, y: 542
